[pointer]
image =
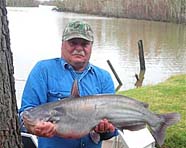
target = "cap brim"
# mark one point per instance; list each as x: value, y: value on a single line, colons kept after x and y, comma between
x: 77, y: 36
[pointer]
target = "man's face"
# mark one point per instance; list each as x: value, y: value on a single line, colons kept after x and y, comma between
x: 76, y: 52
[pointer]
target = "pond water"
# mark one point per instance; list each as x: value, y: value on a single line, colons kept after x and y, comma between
x: 35, y: 34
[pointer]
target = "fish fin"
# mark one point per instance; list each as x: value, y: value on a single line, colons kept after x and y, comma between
x: 55, y: 114
x: 95, y: 136
x: 54, y: 119
x: 121, y: 129
x: 158, y: 132
x: 74, y: 89
x: 146, y: 105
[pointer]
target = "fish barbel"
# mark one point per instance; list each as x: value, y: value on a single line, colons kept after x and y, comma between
x: 76, y: 117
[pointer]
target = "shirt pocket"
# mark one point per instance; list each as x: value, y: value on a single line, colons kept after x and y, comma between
x: 57, y: 95
x: 58, y: 88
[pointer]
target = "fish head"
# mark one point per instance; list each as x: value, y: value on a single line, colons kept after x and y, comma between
x: 35, y: 115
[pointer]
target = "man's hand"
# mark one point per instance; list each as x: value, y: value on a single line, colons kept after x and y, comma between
x: 104, y: 126
x: 42, y: 129
x: 45, y: 129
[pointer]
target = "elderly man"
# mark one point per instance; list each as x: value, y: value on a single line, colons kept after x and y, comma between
x: 52, y: 80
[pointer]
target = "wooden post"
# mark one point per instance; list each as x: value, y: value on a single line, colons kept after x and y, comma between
x: 140, y: 77
x: 116, y: 75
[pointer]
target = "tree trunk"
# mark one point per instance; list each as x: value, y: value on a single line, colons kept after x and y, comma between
x: 9, y: 128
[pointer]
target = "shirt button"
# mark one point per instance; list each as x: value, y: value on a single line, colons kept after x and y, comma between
x: 83, y: 145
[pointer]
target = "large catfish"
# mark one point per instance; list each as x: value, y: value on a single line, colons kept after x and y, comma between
x: 76, y: 117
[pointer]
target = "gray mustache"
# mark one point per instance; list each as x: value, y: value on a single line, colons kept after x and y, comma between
x: 75, y: 52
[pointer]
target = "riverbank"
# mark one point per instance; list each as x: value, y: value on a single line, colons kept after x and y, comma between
x: 169, y: 96
x: 159, y: 10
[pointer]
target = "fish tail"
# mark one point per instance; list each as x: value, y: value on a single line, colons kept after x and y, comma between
x: 158, y: 132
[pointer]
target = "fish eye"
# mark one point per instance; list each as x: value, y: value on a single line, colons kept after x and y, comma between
x: 53, y: 112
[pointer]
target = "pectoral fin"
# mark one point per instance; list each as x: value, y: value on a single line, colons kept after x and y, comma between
x: 95, y: 136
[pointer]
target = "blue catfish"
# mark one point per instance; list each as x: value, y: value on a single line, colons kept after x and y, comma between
x: 76, y: 117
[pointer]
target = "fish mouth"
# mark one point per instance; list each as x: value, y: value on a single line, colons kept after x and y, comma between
x: 28, y: 121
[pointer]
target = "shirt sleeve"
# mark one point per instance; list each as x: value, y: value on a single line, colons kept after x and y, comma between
x: 107, y: 84
x: 108, y: 135
x: 35, y: 90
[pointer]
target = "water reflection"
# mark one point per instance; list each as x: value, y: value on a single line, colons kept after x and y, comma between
x: 36, y: 34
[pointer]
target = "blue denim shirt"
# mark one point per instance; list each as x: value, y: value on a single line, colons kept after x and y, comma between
x: 51, y: 80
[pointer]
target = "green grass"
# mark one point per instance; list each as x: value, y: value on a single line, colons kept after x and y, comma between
x: 169, y: 96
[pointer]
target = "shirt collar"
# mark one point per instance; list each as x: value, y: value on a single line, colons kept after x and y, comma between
x: 65, y: 65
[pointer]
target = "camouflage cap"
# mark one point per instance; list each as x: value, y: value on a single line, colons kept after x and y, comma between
x: 78, y: 29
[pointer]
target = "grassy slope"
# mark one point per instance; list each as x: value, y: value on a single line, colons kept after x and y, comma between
x: 169, y: 96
